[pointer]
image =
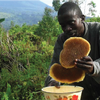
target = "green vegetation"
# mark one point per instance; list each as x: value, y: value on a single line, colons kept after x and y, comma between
x: 25, y: 57
x: 2, y: 19
x: 93, y: 19
x: 26, y: 52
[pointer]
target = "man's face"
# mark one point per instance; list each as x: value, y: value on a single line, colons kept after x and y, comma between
x: 71, y: 24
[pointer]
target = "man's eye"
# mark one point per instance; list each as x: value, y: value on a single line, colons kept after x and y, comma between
x: 72, y: 22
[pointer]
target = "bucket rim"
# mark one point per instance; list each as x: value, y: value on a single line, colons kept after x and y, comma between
x: 62, y: 92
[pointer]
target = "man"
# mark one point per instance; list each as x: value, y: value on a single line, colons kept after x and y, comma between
x: 73, y: 24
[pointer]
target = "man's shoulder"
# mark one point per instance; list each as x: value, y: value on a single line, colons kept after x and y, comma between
x: 93, y: 25
x: 62, y: 37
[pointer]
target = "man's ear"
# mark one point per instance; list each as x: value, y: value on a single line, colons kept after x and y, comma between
x: 83, y: 17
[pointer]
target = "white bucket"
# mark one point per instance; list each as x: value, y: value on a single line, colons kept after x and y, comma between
x: 65, y: 92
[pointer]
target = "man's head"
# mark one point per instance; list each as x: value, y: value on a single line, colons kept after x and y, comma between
x: 71, y: 19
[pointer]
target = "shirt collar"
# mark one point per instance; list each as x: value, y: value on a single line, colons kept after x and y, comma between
x: 86, y: 30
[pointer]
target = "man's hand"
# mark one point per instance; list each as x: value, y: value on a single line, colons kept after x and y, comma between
x: 86, y: 64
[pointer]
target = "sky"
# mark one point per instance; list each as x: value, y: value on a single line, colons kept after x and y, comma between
x: 84, y: 5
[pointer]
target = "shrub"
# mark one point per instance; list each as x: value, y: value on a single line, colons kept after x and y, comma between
x: 24, y: 66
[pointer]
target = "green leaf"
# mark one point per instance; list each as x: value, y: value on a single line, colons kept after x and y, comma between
x: 8, y: 91
x: 2, y: 19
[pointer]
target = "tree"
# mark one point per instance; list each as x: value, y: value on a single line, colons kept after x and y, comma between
x: 44, y: 26
x: 48, y: 27
x: 2, y: 19
x: 92, y: 8
x: 57, y: 3
x: 12, y: 24
x: 78, y: 2
x: 1, y: 30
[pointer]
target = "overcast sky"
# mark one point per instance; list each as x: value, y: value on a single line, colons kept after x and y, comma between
x: 49, y: 2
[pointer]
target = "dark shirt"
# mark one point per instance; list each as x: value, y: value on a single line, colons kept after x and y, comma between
x: 91, y: 83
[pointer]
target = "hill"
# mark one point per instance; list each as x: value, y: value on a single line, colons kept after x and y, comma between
x: 29, y: 12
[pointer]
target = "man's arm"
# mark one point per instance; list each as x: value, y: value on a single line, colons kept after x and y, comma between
x: 96, y: 74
